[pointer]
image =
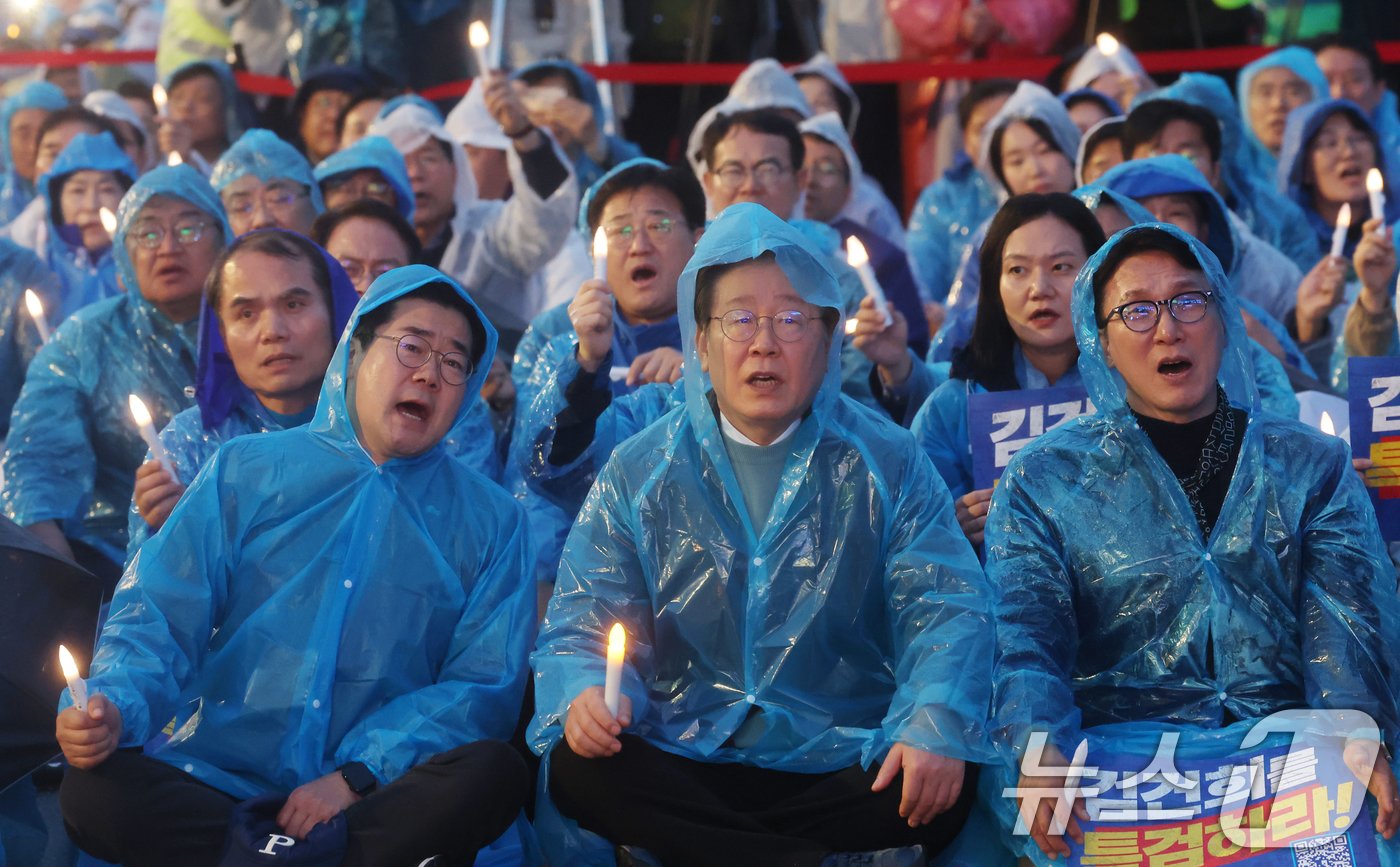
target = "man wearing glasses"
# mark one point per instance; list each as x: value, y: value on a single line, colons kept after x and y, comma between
x: 266, y: 183
x: 342, y: 603
x: 73, y: 448
x: 808, y: 631
x: 1180, y: 558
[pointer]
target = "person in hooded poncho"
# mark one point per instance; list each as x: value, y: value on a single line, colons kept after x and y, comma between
x: 20, y: 269
x: 712, y: 538
x: 563, y: 98
x: 20, y: 118
x: 89, y: 176
x: 265, y: 183
x: 494, y: 247
x: 204, y: 115
x: 1100, y: 149
x: 274, y: 306
x: 1267, y: 91
x: 951, y: 208
x: 1118, y: 76
x: 368, y: 169
x: 1029, y: 146
x: 1180, y: 559
x: 652, y: 216
x: 1247, y: 187
x: 73, y: 449
x: 1354, y: 71
x: 343, y: 600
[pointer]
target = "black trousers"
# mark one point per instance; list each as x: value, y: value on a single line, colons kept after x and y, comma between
x: 688, y: 812
x: 135, y: 810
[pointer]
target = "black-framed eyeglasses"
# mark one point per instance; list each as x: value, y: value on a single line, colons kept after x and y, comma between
x: 1143, y: 315
x: 414, y: 352
x: 742, y: 325
x: 150, y: 235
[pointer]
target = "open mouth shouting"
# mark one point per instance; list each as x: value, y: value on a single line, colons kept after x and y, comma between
x: 1174, y: 368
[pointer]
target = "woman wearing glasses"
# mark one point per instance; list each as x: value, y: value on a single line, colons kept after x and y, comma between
x: 1180, y: 557
x: 1022, y: 338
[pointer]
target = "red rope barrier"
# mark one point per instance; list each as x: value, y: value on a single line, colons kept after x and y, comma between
x: 725, y: 73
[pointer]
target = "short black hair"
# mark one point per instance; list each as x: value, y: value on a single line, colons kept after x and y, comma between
x: 1146, y: 239
x: 844, y: 106
x: 71, y: 113
x: 1357, y: 46
x: 355, y: 100
x: 438, y: 292
x: 1146, y: 122
x: 981, y: 91
x: 540, y: 72
x: 987, y: 357
x: 679, y: 182
x: 370, y: 209
x: 1038, y: 126
x: 135, y: 89
x: 766, y: 121
x: 709, y: 275
x: 280, y: 245
x: 195, y: 70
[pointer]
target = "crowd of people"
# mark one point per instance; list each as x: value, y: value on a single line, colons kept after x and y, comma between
x: 443, y: 398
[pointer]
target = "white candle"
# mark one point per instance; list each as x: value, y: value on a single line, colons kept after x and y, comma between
x: 36, y: 312
x: 159, y: 97
x: 109, y: 221
x: 142, y: 417
x: 860, y: 260
x: 618, y: 374
x: 1339, y: 234
x: 479, y: 38
x: 498, y: 27
x: 1375, y: 187
x: 600, y: 254
x: 76, y: 685
x: 600, y: 56
x: 612, y: 686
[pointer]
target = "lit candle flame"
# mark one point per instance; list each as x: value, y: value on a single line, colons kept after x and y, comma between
x: 1344, y: 215
x: 851, y: 325
x: 1107, y: 44
x: 65, y: 659
x: 617, y: 640
x: 34, y: 305
x: 477, y: 35
x: 139, y: 413
x: 1325, y: 424
x: 175, y: 159
x: 855, y: 252
x: 159, y: 97
x: 109, y: 220
x: 1374, y: 182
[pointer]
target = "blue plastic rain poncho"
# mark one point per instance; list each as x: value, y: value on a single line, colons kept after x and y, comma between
x: 619, y: 149
x: 86, y: 276
x: 867, y: 206
x: 73, y: 449
x: 1030, y: 101
x: 320, y: 609
x: 1303, y: 125
x: 261, y: 153
x: 224, y: 407
x: 1301, y: 63
x: 15, y: 191
x: 1290, y: 601
x: 942, y: 222
x: 724, y: 616
x: 1249, y: 189
x: 1386, y: 121
x: 371, y: 153
x: 495, y: 247
x: 20, y: 269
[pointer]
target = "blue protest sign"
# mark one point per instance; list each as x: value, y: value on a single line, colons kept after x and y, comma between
x: 1373, y: 392
x: 1000, y: 423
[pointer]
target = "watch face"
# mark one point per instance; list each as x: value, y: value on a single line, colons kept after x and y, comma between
x: 358, y: 778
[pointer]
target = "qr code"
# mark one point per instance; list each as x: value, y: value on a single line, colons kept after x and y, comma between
x: 1327, y: 852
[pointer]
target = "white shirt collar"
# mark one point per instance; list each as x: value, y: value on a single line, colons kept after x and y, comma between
x: 733, y: 433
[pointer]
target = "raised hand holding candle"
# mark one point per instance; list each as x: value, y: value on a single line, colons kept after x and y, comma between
x: 1339, y: 234
x: 36, y: 312
x: 1375, y: 187
x: 612, y: 685
x: 76, y: 685
x: 860, y: 260
x: 600, y: 254
x: 142, y: 416
x: 479, y: 38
